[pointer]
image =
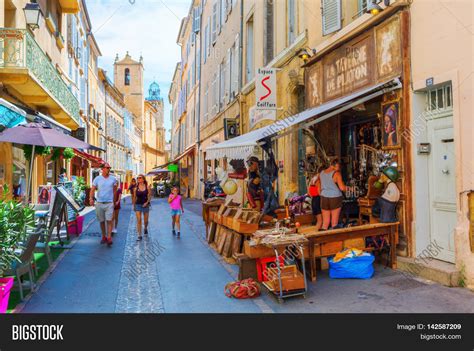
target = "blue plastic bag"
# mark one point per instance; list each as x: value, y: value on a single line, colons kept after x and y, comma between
x: 359, y: 267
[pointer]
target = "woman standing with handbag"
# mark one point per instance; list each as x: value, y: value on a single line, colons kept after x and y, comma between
x: 141, y: 204
x: 332, y: 187
x: 314, y: 189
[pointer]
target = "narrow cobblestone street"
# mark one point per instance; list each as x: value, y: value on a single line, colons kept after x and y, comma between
x: 164, y: 274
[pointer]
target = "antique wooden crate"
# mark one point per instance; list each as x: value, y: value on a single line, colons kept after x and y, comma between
x: 291, y: 279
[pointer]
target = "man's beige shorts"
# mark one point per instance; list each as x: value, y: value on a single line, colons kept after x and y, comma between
x: 104, y: 211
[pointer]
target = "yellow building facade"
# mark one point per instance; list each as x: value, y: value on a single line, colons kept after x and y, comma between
x: 34, y: 76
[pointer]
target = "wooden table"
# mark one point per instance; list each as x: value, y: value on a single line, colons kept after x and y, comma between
x: 360, y: 231
x: 206, y: 208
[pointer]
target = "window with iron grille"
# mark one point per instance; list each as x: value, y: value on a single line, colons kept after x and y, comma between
x: 439, y: 99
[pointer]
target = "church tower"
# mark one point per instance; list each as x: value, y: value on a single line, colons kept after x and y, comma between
x: 128, y: 78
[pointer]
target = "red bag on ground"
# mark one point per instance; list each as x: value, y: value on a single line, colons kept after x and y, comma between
x: 244, y: 289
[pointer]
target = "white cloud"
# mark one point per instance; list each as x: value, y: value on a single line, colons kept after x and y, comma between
x: 141, y: 27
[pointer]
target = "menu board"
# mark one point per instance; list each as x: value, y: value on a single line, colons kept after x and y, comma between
x: 66, y: 194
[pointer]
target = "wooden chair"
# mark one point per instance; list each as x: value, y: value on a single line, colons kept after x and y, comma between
x: 23, y: 267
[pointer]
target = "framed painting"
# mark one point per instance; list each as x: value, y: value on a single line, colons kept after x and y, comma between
x: 391, y: 125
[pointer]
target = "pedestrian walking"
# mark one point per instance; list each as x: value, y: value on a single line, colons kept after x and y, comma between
x: 133, y: 185
x: 117, y: 207
x: 141, y: 204
x: 176, y: 203
x: 105, y: 185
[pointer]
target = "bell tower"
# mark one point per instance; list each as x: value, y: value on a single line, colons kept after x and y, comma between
x: 128, y: 78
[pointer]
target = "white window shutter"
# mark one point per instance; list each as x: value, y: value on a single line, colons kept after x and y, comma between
x: 236, y: 70
x: 228, y: 77
x: 332, y: 16
x: 214, y: 22
x: 209, y: 35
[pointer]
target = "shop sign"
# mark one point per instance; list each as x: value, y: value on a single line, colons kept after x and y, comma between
x: 256, y: 116
x: 231, y: 128
x: 265, y: 89
x: 348, y: 69
x: 371, y: 58
x: 79, y: 133
x: 173, y: 168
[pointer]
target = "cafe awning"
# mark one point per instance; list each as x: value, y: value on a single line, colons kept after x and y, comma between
x: 179, y: 157
x: 243, y: 146
x: 95, y: 161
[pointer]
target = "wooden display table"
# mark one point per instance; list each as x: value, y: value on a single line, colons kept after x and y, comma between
x: 343, y: 234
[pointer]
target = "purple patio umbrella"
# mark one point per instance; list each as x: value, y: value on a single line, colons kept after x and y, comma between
x: 38, y: 134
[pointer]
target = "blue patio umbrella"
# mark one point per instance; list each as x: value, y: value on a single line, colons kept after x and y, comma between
x: 10, y: 115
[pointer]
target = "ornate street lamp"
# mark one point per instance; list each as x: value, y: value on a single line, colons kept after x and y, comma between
x: 32, y: 15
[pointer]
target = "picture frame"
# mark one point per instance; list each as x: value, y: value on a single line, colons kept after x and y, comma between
x: 44, y: 195
x: 390, y: 122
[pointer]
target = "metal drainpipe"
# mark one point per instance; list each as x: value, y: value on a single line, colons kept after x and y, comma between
x: 198, y: 132
x: 241, y: 55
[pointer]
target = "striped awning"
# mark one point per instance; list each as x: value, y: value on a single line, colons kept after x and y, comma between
x: 243, y: 146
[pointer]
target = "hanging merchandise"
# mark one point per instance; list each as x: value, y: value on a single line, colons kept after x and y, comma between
x: 270, y: 175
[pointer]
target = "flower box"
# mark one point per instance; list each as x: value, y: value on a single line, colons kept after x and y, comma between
x: 6, y: 285
x: 76, y: 226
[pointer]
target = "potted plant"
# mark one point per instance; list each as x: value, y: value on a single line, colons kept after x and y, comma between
x: 79, y: 194
x: 15, y: 219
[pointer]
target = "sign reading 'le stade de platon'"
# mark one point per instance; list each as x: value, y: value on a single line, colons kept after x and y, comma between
x: 265, y: 89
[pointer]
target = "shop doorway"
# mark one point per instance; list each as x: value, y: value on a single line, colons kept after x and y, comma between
x: 442, y: 183
x: 441, y: 170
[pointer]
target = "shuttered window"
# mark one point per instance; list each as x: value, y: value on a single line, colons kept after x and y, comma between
x: 196, y: 19
x: 209, y: 39
x: 221, y: 14
x: 206, y: 43
x: 332, y: 18
x: 291, y: 4
x: 228, y: 77
x: 235, y: 68
x: 268, y: 41
x: 214, y: 21
x: 249, y: 69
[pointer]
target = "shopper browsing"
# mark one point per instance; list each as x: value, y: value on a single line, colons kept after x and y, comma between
x: 176, y: 204
x: 141, y: 204
x: 314, y: 189
x: 106, y: 186
x: 332, y: 187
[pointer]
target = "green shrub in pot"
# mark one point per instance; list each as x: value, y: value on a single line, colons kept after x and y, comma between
x: 16, y: 219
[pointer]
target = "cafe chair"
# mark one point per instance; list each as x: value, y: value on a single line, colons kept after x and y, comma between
x: 19, y: 269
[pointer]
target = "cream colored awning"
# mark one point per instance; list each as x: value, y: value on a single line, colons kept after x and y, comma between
x: 243, y: 146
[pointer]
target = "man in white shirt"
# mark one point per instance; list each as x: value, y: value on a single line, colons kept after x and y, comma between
x: 105, y: 185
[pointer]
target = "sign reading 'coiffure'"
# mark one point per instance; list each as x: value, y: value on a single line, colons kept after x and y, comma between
x: 265, y: 89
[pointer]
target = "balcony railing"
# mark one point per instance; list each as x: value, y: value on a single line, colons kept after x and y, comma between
x: 18, y: 49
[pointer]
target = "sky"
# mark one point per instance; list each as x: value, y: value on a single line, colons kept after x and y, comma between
x: 141, y: 27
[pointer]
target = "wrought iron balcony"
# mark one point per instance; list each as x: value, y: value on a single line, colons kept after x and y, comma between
x: 20, y: 55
